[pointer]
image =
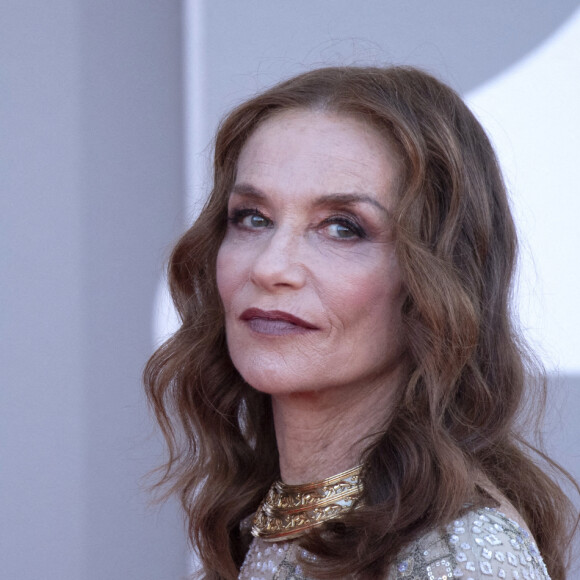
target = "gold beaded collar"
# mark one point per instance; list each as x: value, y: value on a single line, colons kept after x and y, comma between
x: 288, y: 511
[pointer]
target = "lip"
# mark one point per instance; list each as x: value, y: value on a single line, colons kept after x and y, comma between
x: 275, y: 321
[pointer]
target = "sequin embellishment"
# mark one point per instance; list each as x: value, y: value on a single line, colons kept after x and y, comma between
x: 483, y: 543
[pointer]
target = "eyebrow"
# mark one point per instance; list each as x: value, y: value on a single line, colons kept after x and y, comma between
x: 247, y: 190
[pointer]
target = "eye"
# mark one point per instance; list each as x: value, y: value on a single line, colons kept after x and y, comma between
x: 255, y: 221
x: 250, y: 219
x: 343, y: 228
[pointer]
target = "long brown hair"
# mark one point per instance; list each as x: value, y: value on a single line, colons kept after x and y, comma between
x: 457, y: 412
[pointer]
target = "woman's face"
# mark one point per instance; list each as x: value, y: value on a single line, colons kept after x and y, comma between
x: 307, y: 271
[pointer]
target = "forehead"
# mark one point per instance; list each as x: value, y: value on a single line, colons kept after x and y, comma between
x: 302, y: 151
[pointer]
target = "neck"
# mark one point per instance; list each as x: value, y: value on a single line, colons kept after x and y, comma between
x: 322, y: 433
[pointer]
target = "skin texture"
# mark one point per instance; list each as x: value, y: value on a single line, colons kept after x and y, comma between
x: 310, y: 237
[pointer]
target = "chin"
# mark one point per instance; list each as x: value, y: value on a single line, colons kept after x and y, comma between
x: 272, y: 383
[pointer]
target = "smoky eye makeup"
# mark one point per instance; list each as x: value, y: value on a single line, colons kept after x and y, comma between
x: 248, y: 218
x: 345, y: 218
x: 344, y: 227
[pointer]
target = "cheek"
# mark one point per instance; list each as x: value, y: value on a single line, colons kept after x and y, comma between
x: 372, y: 304
x: 371, y: 285
x: 227, y: 273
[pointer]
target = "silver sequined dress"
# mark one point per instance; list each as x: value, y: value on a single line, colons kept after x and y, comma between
x: 482, y: 545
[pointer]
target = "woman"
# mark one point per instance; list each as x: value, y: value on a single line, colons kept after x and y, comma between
x: 340, y: 400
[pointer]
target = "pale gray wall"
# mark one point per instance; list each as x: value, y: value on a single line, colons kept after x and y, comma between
x: 91, y: 197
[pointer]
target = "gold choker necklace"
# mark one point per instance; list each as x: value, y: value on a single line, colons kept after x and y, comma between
x: 288, y: 511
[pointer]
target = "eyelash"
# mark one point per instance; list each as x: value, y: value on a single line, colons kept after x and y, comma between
x: 346, y: 222
x: 237, y: 215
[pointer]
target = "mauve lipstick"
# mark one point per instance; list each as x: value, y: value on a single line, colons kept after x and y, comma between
x: 275, y: 322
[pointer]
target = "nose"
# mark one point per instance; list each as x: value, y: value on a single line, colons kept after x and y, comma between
x: 279, y: 262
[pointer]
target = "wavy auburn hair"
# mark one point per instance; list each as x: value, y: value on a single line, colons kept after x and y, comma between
x: 457, y: 411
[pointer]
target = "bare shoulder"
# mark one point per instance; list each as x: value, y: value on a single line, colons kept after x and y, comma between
x: 483, y: 543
